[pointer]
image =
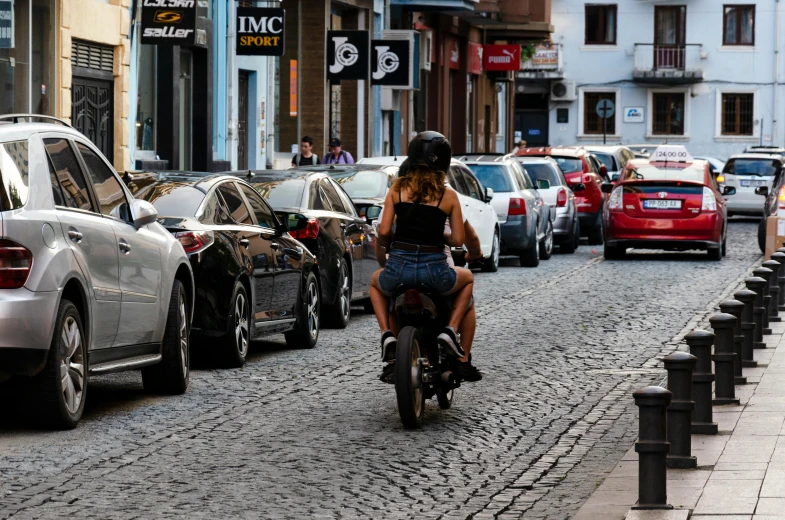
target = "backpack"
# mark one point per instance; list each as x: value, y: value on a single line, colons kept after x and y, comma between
x: 300, y: 156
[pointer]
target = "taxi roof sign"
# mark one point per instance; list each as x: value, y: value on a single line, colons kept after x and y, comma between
x: 671, y: 153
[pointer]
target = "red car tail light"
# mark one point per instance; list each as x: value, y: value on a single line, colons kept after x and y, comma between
x: 15, y: 264
x: 310, y: 231
x: 561, y: 198
x: 709, y: 203
x: 616, y: 200
x: 517, y: 206
x: 194, y: 241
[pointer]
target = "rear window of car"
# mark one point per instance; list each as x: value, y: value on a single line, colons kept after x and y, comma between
x: 492, y: 176
x: 653, y: 173
x: 569, y: 164
x: 607, y: 160
x: 543, y: 171
x: 363, y: 184
x: 281, y: 193
x: 171, y: 199
x: 14, y: 175
x: 754, y: 167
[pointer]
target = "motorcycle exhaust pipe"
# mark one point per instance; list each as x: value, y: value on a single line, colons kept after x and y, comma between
x: 448, y: 378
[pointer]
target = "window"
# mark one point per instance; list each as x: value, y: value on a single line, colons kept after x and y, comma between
x: 455, y: 180
x: 737, y: 114
x: 348, y: 205
x: 592, y: 123
x: 738, y: 26
x: 600, y: 25
x: 330, y: 196
x: 111, y: 197
x: 475, y: 191
x: 668, y: 117
x: 492, y: 176
x: 72, y: 181
x: 14, y: 177
x: 234, y: 203
x: 521, y: 176
x: 264, y: 215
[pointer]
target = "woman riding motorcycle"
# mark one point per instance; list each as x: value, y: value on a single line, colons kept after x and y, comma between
x: 419, y: 204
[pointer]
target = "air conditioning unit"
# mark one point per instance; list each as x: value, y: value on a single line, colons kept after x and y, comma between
x: 563, y: 91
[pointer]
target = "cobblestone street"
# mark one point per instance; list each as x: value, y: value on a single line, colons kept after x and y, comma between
x: 314, y: 434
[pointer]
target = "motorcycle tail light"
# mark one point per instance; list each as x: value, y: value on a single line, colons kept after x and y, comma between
x: 15, y: 264
x: 616, y: 200
x: 517, y: 206
x: 709, y: 202
x: 194, y: 241
x: 561, y: 198
x: 412, y: 302
x: 310, y: 231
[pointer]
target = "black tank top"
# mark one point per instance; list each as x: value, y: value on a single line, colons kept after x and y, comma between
x: 419, y: 224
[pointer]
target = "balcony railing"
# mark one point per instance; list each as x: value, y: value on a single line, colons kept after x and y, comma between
x: 668, y: 62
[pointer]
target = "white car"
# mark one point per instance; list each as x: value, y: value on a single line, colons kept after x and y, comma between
x: 614, y: 158
x: 715, y: 164
x: 746, y: 172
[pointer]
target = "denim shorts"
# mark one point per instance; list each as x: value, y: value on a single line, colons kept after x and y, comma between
x: 412, y: 269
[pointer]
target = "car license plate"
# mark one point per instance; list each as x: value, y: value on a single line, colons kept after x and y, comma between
x: 661, y: 204
x: 752, y: 184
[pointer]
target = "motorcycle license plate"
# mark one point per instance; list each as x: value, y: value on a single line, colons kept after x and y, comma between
x: 752, y: 183
x: 661, y: 204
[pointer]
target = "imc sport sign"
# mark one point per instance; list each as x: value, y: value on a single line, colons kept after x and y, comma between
x: 169, y: 22
x: 260, y: 31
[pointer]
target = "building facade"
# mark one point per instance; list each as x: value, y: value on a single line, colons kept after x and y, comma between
x: 704, y: 73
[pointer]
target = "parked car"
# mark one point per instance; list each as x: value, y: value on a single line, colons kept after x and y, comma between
x: 366, y: 184
x: 774, y: 203
x: 615, y: 158
x: 333, y: 231
x: 580, y: 167
x: 524, y: 217
x: 90, y: 283
x: 715, y: 165
x: 560, y: 197
x: 746, y: 172
x: 641, y: 151
x: 251, y: 277
x: 674, y: 206
x: 771, y: 150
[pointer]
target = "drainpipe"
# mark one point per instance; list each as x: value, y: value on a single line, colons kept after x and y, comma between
x: 774, y: 138
x: 230, y: 131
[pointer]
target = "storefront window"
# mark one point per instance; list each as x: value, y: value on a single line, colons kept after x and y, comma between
x: 145, y: 105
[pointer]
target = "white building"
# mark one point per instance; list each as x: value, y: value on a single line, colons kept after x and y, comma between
x: 702, y: 73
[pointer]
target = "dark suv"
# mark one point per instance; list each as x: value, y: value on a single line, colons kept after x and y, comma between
x: 773, y: 190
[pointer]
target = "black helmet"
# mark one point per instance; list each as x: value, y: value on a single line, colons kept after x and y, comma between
x: 430, y: 149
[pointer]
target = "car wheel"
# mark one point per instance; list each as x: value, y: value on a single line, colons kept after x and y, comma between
x: 546, y: 244
x: 238, y: 334
x: 491, y: 264
x: 572, y: 240
x: 306, y: 330
x: 762, y: 235
x: 61, y: 388
x: 595, y: 235
x: 172, y: 374
x: 531, y: 256
x: 715, y: 254
x: 614, y: 252
x: 337, y: 314
x: 725, y: 245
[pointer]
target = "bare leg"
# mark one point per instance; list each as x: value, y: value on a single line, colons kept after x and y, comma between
x: 462, y: 295
x: 467, y: 329
x: 380, y: 303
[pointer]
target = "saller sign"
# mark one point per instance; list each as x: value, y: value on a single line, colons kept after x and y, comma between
x: 169, y: 22
x: 260, y: 31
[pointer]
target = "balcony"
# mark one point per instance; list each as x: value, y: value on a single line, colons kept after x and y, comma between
x: 511, y: 20
x: 546, y: 63
x: 668, y: 64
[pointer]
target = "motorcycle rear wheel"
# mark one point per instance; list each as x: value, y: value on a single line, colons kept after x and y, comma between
x: 408, y: 379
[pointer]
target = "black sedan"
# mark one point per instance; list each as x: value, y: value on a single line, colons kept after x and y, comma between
x: 252, y: 278
x: 341, y: 240
x: 366, y: 184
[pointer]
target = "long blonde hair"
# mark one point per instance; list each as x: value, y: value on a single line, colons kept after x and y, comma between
x: 423, y: 185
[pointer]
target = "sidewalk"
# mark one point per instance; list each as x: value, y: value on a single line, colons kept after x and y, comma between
x: 741, y: 471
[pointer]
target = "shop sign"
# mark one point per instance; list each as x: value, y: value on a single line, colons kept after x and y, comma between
x: 633, y: 114
x: 6, y: 24
x: 293, y: 88
x: 501, y: 57
x: 169, y: 22
x: 260, y: 31
x: 546, y: 56
x: 347, y: 55
x: 390, y: 63
x: 455, y: 54
x: 475, y: 58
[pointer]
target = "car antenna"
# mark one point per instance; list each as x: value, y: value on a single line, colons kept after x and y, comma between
x: 249, y: 174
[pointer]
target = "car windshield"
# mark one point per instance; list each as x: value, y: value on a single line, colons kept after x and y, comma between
x: 171, y: 199
x: 755, y: 167
x: 653, y: 173
x: 281, y: 193
x: 569, y: 164
x: 606, y: 159
x: 491, y: 176
x: 367, y: 184
x: 543, y: 171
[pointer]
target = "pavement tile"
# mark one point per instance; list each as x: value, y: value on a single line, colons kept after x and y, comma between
x: 725, y: 505
x: 601, y: 512
x: 771, y: 506
x: 741, y: 466
x: 755, y: 474
x: 779, y: 453
x: 758, y: 448
x: 658, y: 515
x: 736, y: 488
x: 759, y: 423
x: 723, y: 517
x: 683, y: 475
x: 684, y: 497
x: 774, y: 482
x: 726, y: 421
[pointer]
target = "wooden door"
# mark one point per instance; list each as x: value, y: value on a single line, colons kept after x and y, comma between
x: 242, y: 121
x: 670, y: 29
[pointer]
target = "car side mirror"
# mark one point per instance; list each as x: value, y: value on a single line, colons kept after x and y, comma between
x: 543, y: 184
x: 295, y: 222
x: 607, y: 187
x: 604, y: 170
x: 488, y: 194
x: 760, y: 190
x: 143, y: 213
x: 730, y: 190
x: 578, y: 187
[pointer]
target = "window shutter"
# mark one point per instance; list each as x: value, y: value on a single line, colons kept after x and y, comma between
x: 88, y: 55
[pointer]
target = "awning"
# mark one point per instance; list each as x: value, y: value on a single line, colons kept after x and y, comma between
x: 436, y: 5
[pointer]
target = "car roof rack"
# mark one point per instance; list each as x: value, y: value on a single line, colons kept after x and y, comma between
x: 15, y: 118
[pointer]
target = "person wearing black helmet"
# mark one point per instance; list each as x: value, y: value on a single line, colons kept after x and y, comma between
x: 419, y: 205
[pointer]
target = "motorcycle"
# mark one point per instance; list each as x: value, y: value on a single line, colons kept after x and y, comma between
x: 422, y: 367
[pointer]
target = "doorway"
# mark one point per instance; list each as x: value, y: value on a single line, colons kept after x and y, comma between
x: 670, y: 29
x: 531, y: 118
x: 92, y: 94
x: 242, y: 121
x: 186, y: 104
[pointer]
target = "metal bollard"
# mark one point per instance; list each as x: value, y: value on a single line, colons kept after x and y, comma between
x: 747, y: 327
x: 756, y: 285
x: 765, y: 273
x: 724, y: 389
x: 779, y: 256
x: 700, y: 342
x: 680, y: 366
x: 652, y: 447
x: 735, y: 308
x: 774, y: 289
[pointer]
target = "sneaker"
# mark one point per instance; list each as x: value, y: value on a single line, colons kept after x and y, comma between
x: 451, y: 341
x: 388, y: 373
x: 389, y: 344
x: 468, y: 372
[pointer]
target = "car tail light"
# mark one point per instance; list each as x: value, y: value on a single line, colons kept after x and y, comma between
x: 310, y: 231
x: 561, y: 198
x: 709, y: 202
x: 587, y: 179
x: 517, y: 206
x: 194, y: 241
x: 15, y: 264
x: 616, y: 200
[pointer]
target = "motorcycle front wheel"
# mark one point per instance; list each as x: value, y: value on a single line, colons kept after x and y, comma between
x: 408, y: 379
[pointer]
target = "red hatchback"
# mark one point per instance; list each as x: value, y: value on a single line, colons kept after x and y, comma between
x: 666, y: 205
